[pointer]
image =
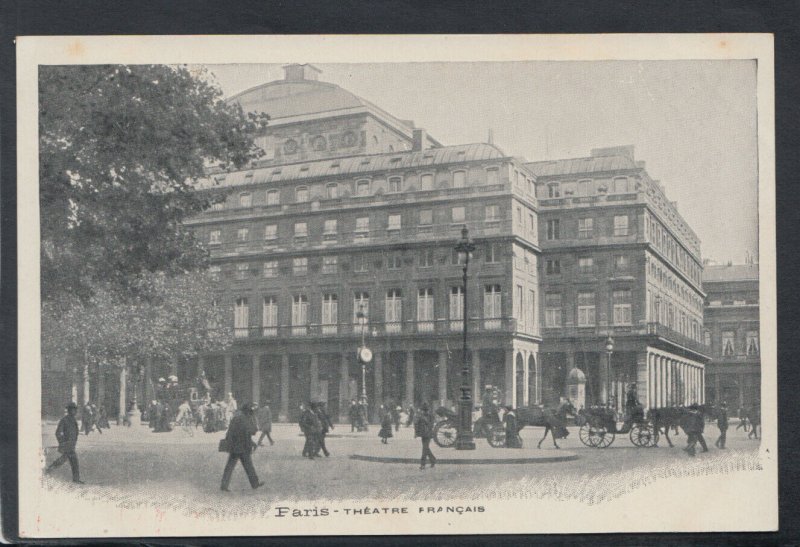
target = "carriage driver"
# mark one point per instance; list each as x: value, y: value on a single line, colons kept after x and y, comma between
x: 633, y: 409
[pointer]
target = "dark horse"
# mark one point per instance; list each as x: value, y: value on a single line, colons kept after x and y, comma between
x: 672, y: 417
x: 553, y: 420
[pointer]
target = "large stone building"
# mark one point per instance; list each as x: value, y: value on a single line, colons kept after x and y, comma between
x: 732, y: 332
x: 353, y: 210
x: 618, y: 261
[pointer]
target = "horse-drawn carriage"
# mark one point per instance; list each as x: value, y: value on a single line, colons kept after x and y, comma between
x: 446, y: 429
x: 601, y: 426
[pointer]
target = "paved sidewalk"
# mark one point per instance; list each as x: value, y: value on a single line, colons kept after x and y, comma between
x: 409, y: 451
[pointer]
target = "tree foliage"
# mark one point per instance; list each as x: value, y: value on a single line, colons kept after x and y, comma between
x: 119, y: 150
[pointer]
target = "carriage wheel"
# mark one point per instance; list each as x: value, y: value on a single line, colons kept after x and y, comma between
x: 497, y: 436
x: 444, y: 434
x: 644, y: 436
x: 596, y: 436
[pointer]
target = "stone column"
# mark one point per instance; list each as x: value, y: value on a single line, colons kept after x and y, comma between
x: 526, y: 379
x: 410, y: 377
x: 283, y: 415
x: 378, y: 379
x: 604, y: 377
x: 670, y: 386
x: 314, y: 377
x: 257, y: 379
x: 344, y: 386
x: 86, y: 387
x: 510, y: 377
x: 443, y: 379
x: 228, y: 376
x: 642, y: 377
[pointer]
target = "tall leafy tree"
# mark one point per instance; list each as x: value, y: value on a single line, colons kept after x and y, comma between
x: 119, y: 150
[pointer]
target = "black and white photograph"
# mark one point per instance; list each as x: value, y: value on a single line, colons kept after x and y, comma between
x: 434, y: 289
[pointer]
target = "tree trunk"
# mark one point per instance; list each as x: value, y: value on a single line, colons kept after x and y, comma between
x: 123, y: 369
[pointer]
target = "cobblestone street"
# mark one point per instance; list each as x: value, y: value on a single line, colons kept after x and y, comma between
x: 136, y: 465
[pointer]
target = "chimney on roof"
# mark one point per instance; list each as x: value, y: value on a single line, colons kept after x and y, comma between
x: 297, y: 73
x: 418, y: 140
x: 626, y: 151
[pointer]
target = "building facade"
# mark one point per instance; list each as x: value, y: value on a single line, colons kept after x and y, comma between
x: 618, y: 261
x: 732, y: 331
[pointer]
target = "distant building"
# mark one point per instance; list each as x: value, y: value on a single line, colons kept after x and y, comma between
x: 732, y: 331
x: 618, y: 261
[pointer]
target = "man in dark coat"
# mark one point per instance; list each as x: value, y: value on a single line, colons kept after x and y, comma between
x: 265, y: 424
x: 396, y: 417
x: 513, y: 439
x: 87, y: 418
x: 722, y: 424
x: 411, y: 416
x: 241, y: 445
x: 694, y: 424
x: 310, y: 426
x: 325, y: 425
x: 423, y: 428
x: 67, y: 437
x: 754, y: 415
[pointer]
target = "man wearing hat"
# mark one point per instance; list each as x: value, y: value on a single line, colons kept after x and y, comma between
x: 423, y: 428
x: 722, y: 424
x: 694, y: 424
x: 67, y: 436
x: 240, y: 440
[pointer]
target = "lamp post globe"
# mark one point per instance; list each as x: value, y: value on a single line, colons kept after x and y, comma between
x: 464, y: 439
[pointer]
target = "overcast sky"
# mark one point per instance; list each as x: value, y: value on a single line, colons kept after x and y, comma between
x: 692, y: 122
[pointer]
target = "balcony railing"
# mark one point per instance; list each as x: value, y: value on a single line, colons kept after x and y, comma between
x: 394, y: 328
x: 599, y: 331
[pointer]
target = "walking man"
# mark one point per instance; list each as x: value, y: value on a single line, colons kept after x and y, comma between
x: 423, y: 428
x: 325, y: 425
x: 241, y: 446
x: 755, y: 422
x: 67, y: 437
x: 265, y: 424
x: 694, y: 425
x: 310, y: 426
x: 722, y: 424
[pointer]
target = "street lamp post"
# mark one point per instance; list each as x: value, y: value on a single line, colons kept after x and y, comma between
x: 364, y: 354
x: 464, y: 440
x: 609, y: 351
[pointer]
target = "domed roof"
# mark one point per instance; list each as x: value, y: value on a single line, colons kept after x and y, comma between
x: 576, y: 376
x: 286, y: 98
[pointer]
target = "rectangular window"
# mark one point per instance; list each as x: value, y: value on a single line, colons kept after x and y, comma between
x: 395, y: 184
x: 586, y: 309
x: 553, y: 266
x: 585, y: 228
x: 425, y: 310
x: 491, y: 307
x: 362, y: 224
x: 492, y: 176
x: 241, y: 316
x: 273, y: 197
x: 271, y: 232
x: 585, y: 265
x: 426, y: 182
x: 299, y: 314
x: 531, y: 224
x: 394, y: 222
x: 271, y: 268
x: 362, y: 188
x: 360, y: 263
x: 242, y: 271
x: 493, y: 253
x: 329, y: 264
x: 531, y: 308
x: 360, y: 304
x: 622, y: 263
x: 553, y: 190
x: 394, y: 310
x: 459, y: 178
x: 214, y: 272
x: 300, y: 266
x: 752, y: 343
x: 330, y: 313
x: 520, y: 305
x: 269, y: 316
x: 300, y: 229
x: 491, y: 213
x: 457, y: 308
x: 301, y: 194
x: 520, y: 220
x: 394, y: 262
x: 728, y: 343
x: 552, y: 311
x: 553, y: 229
x: 426, y: 258
x: 332, y: 191
x: 584, y: 187
x: 218, y: 206
x: 457, y: 215
x: 621, y: 300
x: 245, y: 200
x: 242, y: 234
x: 215, y: 237
x: 330, y: 227
x: 620, y: 225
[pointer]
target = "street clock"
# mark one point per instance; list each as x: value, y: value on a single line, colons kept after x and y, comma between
x: 365, y: 354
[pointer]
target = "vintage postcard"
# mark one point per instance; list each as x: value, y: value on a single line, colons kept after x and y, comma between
x: 305, y: 285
